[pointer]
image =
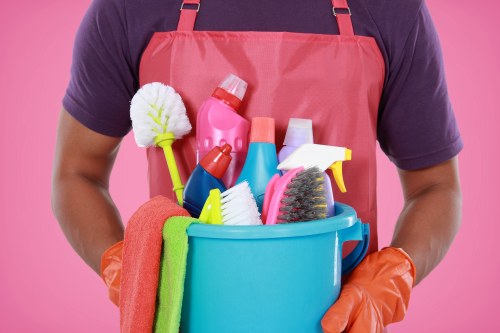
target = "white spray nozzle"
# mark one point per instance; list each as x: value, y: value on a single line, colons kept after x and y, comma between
x: 320, y: 156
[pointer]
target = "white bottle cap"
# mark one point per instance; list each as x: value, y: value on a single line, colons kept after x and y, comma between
x: 299, y: 132
x: 235, y: 86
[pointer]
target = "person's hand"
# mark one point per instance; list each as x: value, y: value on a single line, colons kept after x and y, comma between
x: 111, y: 270
x: 376, y: 294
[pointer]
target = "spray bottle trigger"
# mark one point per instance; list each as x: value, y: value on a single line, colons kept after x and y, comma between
x: 337, y: 171
x: 337, y: 174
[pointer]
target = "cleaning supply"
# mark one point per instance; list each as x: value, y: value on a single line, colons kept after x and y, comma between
x: 206, y: 176
x: 218, y: 122
x: 268, y: 279
x: 236, y: 206
x: 261, y: 162
x: 159, y: 118
x: 376, y: 294
x: 299, y: 132
x: 298, y: 196
x: 321, y: 156
x: 172, y: 274
x: 141, y: 263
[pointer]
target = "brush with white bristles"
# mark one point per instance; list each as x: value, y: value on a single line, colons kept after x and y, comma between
x: 235, y: 206
x: 238, y: 206
x: 159, y: 118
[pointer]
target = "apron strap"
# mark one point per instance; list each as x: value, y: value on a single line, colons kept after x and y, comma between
x: 343, y: 18
x: 188, y: 16
x: 189, y: 10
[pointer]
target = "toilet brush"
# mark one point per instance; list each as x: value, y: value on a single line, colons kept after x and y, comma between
x: 158, y: 119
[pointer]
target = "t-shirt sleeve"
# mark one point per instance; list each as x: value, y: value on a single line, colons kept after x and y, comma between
x: 102, y: 81
x: 416, y: 125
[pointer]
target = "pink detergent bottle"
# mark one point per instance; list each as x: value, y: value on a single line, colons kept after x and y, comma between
x: 218, y: 123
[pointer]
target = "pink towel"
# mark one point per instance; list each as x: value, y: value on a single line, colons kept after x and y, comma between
x: 141, y: 263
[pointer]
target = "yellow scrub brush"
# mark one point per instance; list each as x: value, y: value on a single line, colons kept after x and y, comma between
x: 159, y: 118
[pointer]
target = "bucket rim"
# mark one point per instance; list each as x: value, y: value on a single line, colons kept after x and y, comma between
x: 344, y: 218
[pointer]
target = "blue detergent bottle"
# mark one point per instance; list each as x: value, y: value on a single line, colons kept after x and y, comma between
x: 206, y: 176
x: 261, y: 162
x: 300, y: 132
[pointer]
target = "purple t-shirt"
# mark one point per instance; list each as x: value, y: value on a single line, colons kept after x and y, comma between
x: 416, y: 126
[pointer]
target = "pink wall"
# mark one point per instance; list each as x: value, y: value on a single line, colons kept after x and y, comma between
x: 45, y: 287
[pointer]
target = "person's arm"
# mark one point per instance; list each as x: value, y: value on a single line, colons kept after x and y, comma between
x: 80, y: 189
x: 377, y: 292
x: 431, y: 214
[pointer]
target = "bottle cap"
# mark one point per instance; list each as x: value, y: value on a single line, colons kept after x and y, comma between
x: 231, y: 91
x: 299, y: 132
x: 262, y: 130
x: 217, y: 160
x: 234, y: 85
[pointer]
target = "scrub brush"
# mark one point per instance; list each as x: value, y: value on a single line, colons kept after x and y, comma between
x: 235, y: 206
x: 298, y: 196
x: 158, y: 119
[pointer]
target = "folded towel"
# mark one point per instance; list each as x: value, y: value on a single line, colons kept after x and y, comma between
x: 172, y: 274
x: 141, y: 263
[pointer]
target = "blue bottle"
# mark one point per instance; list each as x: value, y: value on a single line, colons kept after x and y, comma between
x: 206, y: 176
x: 261, y: 162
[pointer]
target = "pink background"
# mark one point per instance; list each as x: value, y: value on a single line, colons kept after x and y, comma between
x: 45, y: 287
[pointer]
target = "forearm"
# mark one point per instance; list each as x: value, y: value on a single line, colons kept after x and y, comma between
x: 427, y: 226
x: 87, y: 215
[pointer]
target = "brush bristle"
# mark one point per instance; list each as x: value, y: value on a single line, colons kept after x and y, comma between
x: 238, y: 206
x: 304, y: 199
x: 156, y: 109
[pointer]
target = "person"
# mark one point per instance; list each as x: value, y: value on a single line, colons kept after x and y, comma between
x: 367, y: 71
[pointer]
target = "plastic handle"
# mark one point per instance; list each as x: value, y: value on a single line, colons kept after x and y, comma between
x: 358, y: 231
x: 211, y: 212
x: 165, y: 141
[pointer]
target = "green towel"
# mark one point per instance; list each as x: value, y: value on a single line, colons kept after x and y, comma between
x: 172, y: 274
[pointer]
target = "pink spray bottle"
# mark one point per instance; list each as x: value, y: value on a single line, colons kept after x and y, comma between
x: 218, y: 123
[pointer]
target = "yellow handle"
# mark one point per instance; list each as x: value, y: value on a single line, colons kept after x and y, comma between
x: 165, y: 141
x: 211, y: 212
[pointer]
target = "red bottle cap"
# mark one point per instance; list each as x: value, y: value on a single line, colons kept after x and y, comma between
x: 227, y: 98
x: 231, y: 91
x: 217, y: 160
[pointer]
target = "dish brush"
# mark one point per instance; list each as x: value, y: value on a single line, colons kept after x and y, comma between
x: 235, y: 206
x: 298, y: 196
x: 158, y: 119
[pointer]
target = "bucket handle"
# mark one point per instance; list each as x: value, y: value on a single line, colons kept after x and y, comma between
x: 358, y: 231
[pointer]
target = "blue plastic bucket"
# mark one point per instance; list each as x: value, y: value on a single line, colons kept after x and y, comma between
x: 280, y: 278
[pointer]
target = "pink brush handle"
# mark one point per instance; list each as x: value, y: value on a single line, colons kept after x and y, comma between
x: 268, y: 196
x: 280, y: 187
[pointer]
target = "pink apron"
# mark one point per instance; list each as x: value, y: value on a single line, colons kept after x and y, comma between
x: 335, y: 80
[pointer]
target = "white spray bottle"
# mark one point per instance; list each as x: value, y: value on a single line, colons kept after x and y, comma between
x: 321, y: 156
x: 299, y: 132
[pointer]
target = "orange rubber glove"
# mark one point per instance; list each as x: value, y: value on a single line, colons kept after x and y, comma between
x: 376, y: 294
x: 111, y: 270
